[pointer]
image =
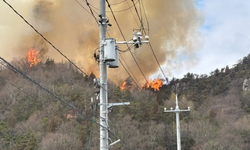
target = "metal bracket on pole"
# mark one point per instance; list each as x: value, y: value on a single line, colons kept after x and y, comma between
x: 171, y: 110
x: 129, y: 42
x: 118, y: 104
x: 115, y: 142
x: 115, y: 104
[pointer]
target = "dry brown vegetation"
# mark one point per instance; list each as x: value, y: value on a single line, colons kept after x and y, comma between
x: 31, y: 119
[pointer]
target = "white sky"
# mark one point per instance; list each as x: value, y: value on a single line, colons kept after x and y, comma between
x: 225, y: 35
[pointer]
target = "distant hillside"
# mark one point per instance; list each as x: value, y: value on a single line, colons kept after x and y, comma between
x: 33, y: 119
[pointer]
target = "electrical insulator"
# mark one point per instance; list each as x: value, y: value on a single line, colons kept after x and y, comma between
x: 146, y: 37
x: 139, y: 33
x: 134, y: 37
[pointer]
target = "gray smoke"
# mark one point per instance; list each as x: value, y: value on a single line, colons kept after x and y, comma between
x: 173, y: 32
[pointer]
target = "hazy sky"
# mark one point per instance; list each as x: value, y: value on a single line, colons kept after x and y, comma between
x: 223, y: 38
x: 173, y: 26
x: 225, y: 35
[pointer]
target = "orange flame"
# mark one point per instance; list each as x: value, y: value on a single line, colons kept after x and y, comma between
x: 154, y: 84
x: 32, y: 57
x: 123, y: 86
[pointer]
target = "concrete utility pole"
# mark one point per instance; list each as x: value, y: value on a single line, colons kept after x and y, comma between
x: 109, y: 56
x: 177, y: 111
x: 103, y: 80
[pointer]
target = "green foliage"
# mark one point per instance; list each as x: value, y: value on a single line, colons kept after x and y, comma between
x: 3, y: 126
x: 83, y: 132
x: 245, y: 102
x: 25, y: 141
x: 44, y: 123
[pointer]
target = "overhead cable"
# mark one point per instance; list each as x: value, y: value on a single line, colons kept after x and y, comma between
x: 33, y: 81
x: 91, y: 10
x: 125, y: 39
x: 117, y: 11
x: 20, y: 89
x: 83, y: 7
x: 145, y: 16
x: 133, y: 13
x: 50, y: 93
x: 44, y: 37
x: 149, y: 43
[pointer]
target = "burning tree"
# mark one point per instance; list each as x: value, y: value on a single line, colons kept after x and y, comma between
x: 32, y: 57
x: 154, y: 84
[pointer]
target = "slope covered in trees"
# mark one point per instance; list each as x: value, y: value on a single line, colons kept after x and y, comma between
x: 32, y: 119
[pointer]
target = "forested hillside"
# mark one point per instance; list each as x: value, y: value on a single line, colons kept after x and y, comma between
x: 65, y: 118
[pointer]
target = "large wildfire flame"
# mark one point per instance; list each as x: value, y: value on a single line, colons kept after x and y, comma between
x: 32, y: 57
x: 154, y: 84
x: 123, y: 86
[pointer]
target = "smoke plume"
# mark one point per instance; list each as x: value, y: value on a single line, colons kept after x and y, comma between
x: 173, y: 31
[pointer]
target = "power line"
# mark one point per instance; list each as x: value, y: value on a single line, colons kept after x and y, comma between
x: 132, y: 13
x: 66, y: 56
x: 42, y: 102
x: 157, y: 60
x: 129, y: 51
x: 145, y: 33
x: 44, y: 37
x: 118, y: 2
x: 130, y: 75
x: 135, y: 80
x: 140, y: 19
x: 117, y: 11
x: 25, y: 76
x: 48, y: 106
x: 33, y: 81
x: 125, y: 62
x: 12, y: 68
x: 20, y: 89
x: 83, y: 7
x: 91, y: 10
x: 49, y: 43
x: 145, y: 15
x: 90, y: 13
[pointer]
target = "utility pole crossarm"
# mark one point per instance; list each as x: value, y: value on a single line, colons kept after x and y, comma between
x: 165, y: 110
x: 118, y: 104
x: 129, y: 42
